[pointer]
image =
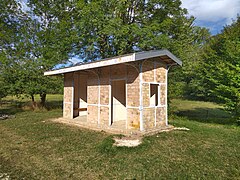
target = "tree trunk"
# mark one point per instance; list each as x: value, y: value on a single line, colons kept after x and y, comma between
x: 33, y: 102
x: 43, y: 99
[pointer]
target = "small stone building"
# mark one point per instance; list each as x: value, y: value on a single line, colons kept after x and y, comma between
x: 127, y: 92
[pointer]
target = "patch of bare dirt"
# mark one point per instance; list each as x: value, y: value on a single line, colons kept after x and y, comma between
x: 127, y: 141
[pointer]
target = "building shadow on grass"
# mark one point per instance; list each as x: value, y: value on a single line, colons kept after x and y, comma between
x: 207, y: 115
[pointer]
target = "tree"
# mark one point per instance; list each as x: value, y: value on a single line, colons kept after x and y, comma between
x: 110, y: 28
x: 32, y: 50
x: 221, y: 67
x: 101, y: 29
x: 3, y: 89
x: 10, y: 18
x: 26, y: 77
x: 184, y: 81
x: 51, y: 32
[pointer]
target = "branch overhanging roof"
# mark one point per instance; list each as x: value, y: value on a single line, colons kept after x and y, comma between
x: 164, y: 56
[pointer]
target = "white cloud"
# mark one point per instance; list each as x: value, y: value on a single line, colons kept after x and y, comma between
x: 213, y: 10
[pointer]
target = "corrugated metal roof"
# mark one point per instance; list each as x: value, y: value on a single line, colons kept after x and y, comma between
x: 165, y: 56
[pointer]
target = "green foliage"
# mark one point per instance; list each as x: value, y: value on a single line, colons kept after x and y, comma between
x: 221, y: 67
x: 10, y: 23
x: 101, y: 29
x: 3, y: 89
x: 27, y: 78
x: 183, y: 82
x: 53, y: 31
x: 32, y: 49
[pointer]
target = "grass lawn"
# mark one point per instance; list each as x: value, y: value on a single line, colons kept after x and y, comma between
x: 31, y: 147
x: 206, y: 112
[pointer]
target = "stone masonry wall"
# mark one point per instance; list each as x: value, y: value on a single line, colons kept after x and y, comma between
x: 92, y: 97
x: 103, y: 110
x: 133, y: 96
x: 68, y: 95
x: 154, y: 72
x: 104, y: 75
x: 99, y: 85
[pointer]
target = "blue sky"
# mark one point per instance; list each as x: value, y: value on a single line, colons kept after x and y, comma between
x: 213, y: 14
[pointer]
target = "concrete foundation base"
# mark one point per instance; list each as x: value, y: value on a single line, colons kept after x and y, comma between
x: 82, y: 123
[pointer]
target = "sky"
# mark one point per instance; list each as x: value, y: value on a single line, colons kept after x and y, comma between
x: 213, y: 14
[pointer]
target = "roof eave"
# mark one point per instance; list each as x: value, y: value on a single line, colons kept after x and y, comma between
x: 152, y: 54
x: 117, y: 60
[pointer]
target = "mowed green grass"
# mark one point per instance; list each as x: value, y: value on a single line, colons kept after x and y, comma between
x: 207, y: 112
x: 32, y: 147
x: 14, y: 103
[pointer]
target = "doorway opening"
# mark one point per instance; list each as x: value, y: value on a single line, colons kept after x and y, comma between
x: 80, y: 97
x: 83, y: 96
x: 118, y: 104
